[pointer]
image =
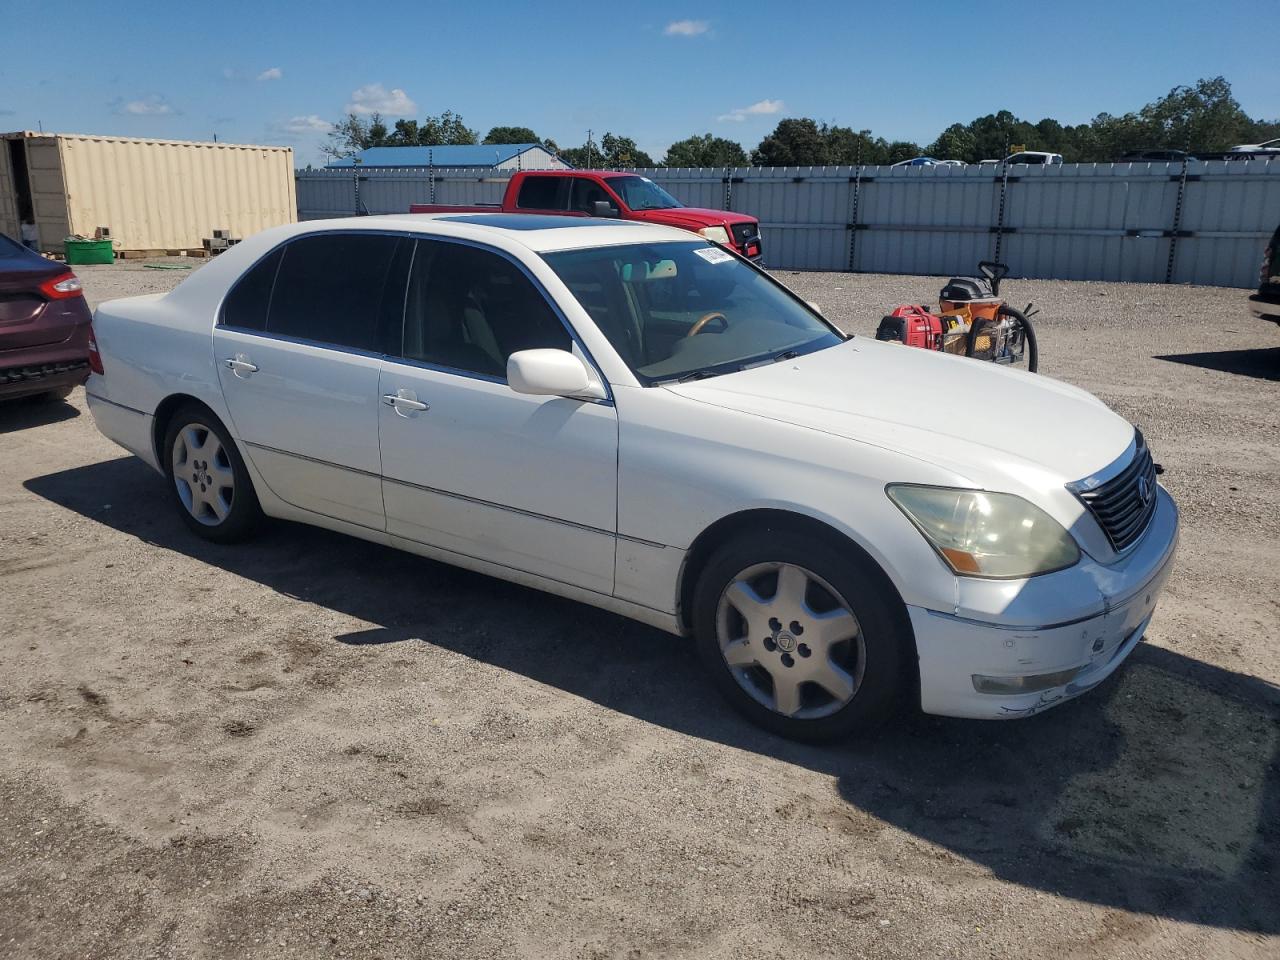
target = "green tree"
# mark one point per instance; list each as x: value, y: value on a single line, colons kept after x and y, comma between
x: 705, y: 151
x: 795, y: 142
x: 954, y: 143
x: 611, y: 152
x: 511, y: 135
x: 352, y: 134
x: 447, y: 128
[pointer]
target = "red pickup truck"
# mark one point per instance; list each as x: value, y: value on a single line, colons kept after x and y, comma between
x: 604, y: 193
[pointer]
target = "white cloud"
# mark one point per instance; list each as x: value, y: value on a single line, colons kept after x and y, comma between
x: 760, y: 108
x: 152, y: 106
x: 686, y: 28
x: 272, y: 73
x: 375, y: 98
x: 308, y: 124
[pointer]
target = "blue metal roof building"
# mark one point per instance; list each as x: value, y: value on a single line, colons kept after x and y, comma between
x: 498, y: 156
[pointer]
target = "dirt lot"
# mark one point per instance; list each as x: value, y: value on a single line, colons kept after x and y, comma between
x: 311, y: 746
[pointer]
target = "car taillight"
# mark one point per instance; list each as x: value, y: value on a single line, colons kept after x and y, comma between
x: 95, y: 358
x: 62, y: 287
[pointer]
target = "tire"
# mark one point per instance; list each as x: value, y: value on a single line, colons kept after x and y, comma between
x: 208, y: 480
x: 1028, y: 336
x: 844, y: 594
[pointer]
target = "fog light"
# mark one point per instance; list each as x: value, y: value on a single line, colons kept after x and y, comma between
x: 1032, y: 684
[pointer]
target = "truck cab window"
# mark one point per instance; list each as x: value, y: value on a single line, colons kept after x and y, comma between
x: 543, y: 193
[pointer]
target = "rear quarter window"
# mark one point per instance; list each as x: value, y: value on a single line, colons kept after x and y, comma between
x: 247, y: 304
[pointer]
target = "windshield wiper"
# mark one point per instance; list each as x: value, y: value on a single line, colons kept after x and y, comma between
x: 786, y: 355
x: 702, y: 373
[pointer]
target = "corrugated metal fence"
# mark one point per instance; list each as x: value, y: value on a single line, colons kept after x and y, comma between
x: 1206, y: 223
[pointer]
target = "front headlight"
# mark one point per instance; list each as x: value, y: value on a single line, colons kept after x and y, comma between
x: 983, y: 534
x: 715, y: 234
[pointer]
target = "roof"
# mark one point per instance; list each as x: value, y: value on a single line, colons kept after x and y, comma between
x: 216, y: 144
x: 446, y: 155
x: 540, y: 234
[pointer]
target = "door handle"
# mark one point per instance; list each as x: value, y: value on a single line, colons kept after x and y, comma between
x: 239, y: 366
x: 403, y: 404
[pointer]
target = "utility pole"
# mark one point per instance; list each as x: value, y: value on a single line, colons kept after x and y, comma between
x: 588, y: 149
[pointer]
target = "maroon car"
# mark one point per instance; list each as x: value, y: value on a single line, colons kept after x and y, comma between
x: 45, y: 342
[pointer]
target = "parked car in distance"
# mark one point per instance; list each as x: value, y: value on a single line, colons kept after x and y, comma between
x: 928, y: 162
x: 635, y: 418
x: 1267, y: 146
x: 1154, y: 156
x: 609, y: 193
x: 44, y: 325
x: 1265, y: 304
x: 1034, y: 156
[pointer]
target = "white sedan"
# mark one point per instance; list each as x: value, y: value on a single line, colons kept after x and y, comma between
x: 638, y: 419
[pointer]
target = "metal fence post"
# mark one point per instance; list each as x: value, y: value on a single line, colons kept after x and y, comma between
x: 853, y: 212
x: 1004, y: 187
x: 1177, y: 220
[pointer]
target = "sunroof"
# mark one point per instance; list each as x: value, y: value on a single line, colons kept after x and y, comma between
x: 528, y: 221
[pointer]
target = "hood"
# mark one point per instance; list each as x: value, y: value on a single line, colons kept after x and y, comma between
x: 692, y: 217
x: 986, y: 423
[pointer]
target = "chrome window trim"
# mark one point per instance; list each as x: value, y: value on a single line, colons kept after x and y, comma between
x: 404, y: 306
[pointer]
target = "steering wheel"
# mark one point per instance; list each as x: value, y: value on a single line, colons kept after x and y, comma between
x: 702, y: 322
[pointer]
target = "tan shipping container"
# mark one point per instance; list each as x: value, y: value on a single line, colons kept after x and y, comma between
x: 151, y: 194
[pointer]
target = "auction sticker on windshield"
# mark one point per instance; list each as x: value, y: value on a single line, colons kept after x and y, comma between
x: 713, y: 254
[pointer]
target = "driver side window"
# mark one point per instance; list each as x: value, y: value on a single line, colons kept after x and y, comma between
x: 585, y: 194
x: 469, y: 309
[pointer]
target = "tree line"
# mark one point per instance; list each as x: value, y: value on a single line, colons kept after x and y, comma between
x: 1203, y: 118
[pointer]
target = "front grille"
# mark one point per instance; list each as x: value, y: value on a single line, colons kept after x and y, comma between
x: 39, y: 371
x: 744, y: 233
x: 1124, y: 505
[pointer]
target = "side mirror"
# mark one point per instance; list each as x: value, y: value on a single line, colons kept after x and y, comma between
x: 550, y: 373
x: 603, y: 208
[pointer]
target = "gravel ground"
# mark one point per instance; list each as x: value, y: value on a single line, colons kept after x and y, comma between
x: 312, y: 746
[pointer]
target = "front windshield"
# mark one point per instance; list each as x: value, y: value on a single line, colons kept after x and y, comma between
x: 641, y: 194
x: 687, y: 310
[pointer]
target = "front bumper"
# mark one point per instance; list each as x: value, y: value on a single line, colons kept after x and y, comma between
x: 1081, y: 651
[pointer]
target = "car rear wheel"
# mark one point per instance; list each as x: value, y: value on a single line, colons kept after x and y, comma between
x: 208, y: 479
x: 800, y: 636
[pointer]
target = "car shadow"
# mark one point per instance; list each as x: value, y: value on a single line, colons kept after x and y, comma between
x: 1158, y: 792
x: 1263, y: 362
x: 28, y: 412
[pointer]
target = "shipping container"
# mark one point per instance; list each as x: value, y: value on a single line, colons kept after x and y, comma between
x: 148, y: 194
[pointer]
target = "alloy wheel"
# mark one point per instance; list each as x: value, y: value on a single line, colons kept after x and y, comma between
x: 790, y: 640
x: 203, y: 474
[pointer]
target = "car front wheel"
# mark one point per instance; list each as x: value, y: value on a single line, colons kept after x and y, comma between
x: 801, y: 636
x: 208, y: 479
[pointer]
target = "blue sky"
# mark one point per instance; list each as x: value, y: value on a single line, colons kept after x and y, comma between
x: 275, y: 72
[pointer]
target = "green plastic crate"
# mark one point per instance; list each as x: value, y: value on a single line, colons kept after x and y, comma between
x: 88, y: 251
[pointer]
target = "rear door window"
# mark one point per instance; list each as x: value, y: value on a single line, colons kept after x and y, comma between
x: 543, y: 193
x: 329, y: 289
